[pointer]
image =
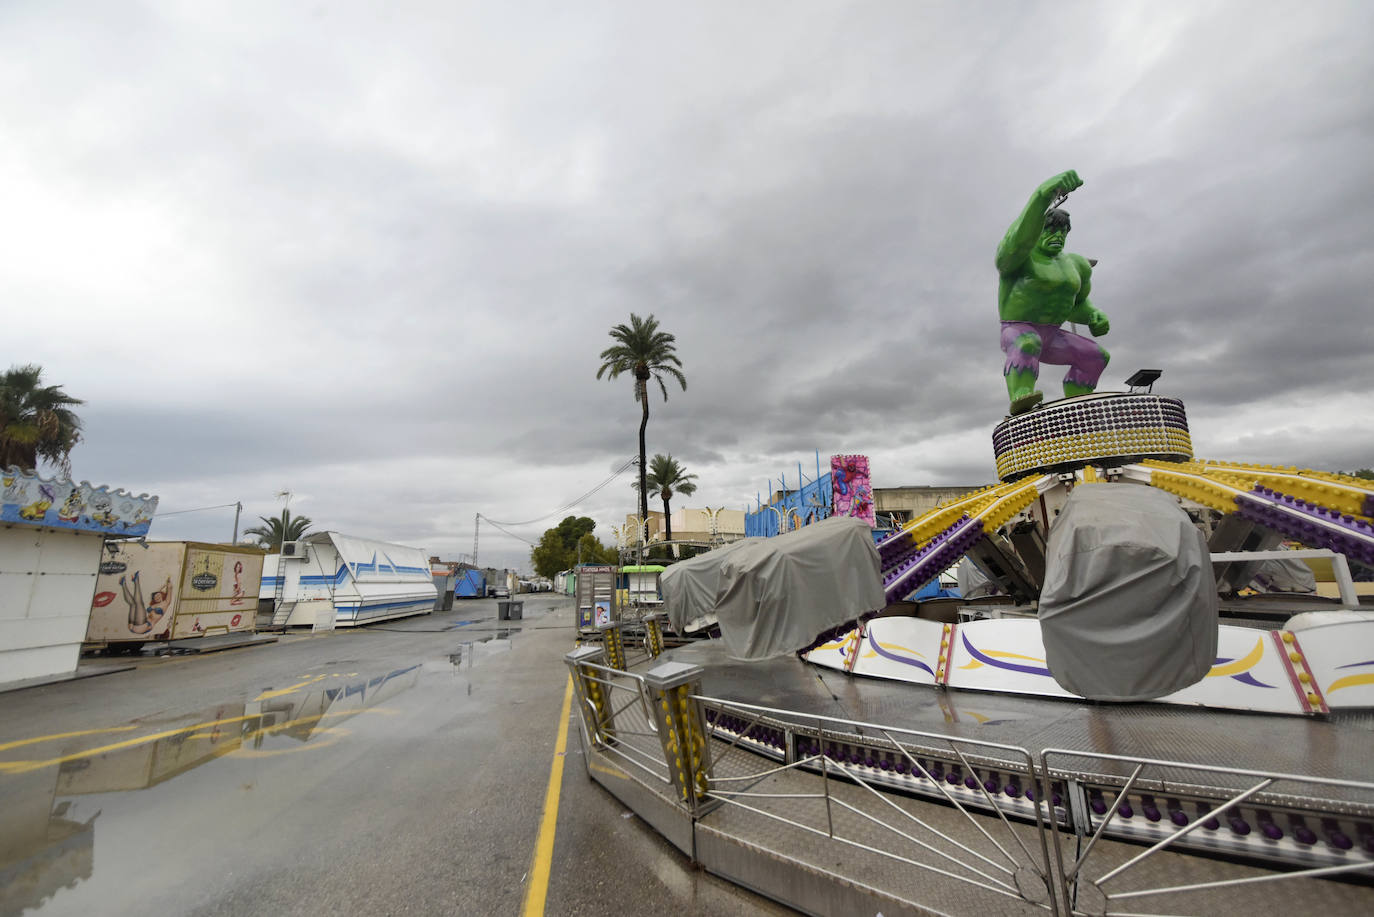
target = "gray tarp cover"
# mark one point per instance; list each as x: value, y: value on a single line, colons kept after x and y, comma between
x: 1129, y: 606
x: 1285, y: 576
x: 689, y: 587
x: 775, y: 595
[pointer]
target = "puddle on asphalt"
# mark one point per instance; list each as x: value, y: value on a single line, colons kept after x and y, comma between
x: 54, y: 788
x: 470, y: 652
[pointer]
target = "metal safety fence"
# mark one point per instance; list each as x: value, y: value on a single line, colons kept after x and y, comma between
x: 784, y: 801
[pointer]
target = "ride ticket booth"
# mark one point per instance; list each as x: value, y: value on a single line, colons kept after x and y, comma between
x: 597, y: 602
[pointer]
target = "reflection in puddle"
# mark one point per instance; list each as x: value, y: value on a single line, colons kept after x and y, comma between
x: 469, y: 651
x: 46, y: 828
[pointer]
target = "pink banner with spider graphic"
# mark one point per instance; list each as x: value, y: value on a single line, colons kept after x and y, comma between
x: 851, y: 488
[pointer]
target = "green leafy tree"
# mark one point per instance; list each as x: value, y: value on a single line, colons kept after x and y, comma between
x: 645, y: 352
x: 665, y: 478
x: 549, y: 556
x: 36, y: 421
x: 278, y: 529
x: 571, y: 530
x: 593, y: 551
x: 557, y: 548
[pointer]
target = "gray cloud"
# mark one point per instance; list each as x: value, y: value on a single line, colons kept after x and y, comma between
x: 372, y: 258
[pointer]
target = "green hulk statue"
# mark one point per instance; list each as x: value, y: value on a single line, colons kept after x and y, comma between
x: 1040, y: 287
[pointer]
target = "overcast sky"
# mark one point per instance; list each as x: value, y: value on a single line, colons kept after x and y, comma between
x: 369, y: 252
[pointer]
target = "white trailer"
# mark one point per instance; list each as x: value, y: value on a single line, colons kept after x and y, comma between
x: 329, y: 580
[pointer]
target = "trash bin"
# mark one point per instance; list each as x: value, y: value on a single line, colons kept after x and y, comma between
x: 503, y: 610
x: 517, y: 610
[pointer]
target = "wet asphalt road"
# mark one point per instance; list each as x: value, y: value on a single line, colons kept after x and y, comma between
x: 394, y: 769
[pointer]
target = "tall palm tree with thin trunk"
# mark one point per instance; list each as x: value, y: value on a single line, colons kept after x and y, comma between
x: 36, y: 421
x: 666, y: 478
x: 276, y: 530
x: 645, y: 352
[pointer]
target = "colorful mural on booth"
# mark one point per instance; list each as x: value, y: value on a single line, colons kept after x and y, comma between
x: 852, y: 488
x: 28, y: 499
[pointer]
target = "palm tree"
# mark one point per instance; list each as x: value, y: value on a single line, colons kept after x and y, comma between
x: 666, y: 477
x: 276, y: 530
x: 36, y: 421
x: 647, y: 353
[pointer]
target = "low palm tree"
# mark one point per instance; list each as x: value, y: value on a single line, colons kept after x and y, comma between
x: 646, y: 353
x: 36, y: 421
x: 667, y: 477
x: 276, y: 530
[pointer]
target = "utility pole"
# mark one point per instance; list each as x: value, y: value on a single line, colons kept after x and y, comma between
x: 476, y: 527
x: 238, y: 509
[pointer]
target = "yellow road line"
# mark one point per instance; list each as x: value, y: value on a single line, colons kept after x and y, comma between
x: 282, y: 692
x: 23, y: 767
x: 63, y: 735
x: 543, y: 847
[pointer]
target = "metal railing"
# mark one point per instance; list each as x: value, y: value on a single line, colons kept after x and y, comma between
x: 1006, y: 823
x: 621, y: 723
x: 988, y: 853
x: 1154, y: 798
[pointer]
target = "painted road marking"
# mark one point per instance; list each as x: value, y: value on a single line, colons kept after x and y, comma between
x: 538, y: 889
x: 63, y: 735
x: 282, y: 692
x: 23, y: 767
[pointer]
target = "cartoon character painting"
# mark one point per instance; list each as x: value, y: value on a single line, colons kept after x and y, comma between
x: 101, y: 507
x: 143, y: 618
x: 71, y: 508
x: 36, y: 510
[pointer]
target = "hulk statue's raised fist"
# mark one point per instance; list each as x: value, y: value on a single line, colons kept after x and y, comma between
x: 1040, y: 287
x: 1061, y: 184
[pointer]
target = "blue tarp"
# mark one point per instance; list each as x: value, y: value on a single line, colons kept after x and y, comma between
x: 933, y: 590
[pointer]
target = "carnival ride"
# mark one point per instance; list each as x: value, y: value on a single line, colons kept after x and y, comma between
x: 964, y: 704
x: 1315, y: 662
x: 1301, y: 655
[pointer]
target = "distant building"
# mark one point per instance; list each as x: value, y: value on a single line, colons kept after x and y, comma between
x: 902, y: 504
x: 695, y: 525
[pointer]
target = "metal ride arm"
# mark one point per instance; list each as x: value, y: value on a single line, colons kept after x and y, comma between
x: 936, y: 540
x: 1321, y: 521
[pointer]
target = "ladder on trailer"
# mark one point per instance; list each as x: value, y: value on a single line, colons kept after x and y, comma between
x: 281, y: 609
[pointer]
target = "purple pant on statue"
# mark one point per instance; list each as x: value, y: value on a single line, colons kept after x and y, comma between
x: 1028, y: 344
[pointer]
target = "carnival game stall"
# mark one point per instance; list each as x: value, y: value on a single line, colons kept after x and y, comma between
x: 51, y: 537
x: 640, y: 583
x: 173, y: 590
x: 330, y: 579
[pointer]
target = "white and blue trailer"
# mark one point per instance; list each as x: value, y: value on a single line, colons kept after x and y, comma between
x: 329, y: 579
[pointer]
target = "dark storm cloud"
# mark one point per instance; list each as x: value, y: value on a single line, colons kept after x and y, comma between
x: 374, y: 258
